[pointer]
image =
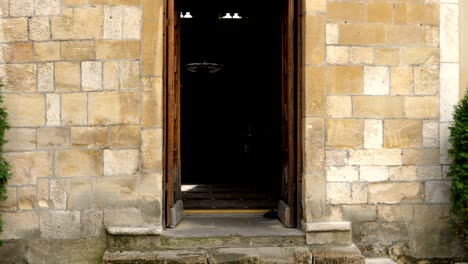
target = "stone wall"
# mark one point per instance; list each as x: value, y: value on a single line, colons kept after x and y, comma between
x: 83, y: 91
x: 376, y: 121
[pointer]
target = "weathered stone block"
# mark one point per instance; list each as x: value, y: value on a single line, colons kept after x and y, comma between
x: 373, y: 173
x: 78, y: 23
x: 449, y: 89
x: 26, y: 167
x: 53, y: 109
x: 429, y: 172
x: 423, y: 14
x: 362, y: 34
x: 387, y: 56
x: 338, y: 193
x: 361, y: 157
x: 89, y: 137
x: 45, y: 77
x: 77, y: 50
x: 426, y: 80
x: 402, y: 133
x: 336, y: 157
x: 422, y: 107
x: 342, y: 173
x: 60, y: 224
x: 387, y: 156
x: 113, y: 108
x: 152, y: 40
x: 92, y: 223
x: 345, y: 133
x: 421, y: 157
x: 91, y: 76
x: 430, y: 234
x: 130, y: 74
x: 117, y: 50
x: 337, y: 54
x: 113, y: 22
x: 339, y: 106
x: 400, y: 212
x: 121, y: 162
x: 151, y: 186
x: 111, y: 77
x: 151, y: 149
x: 67, y: 76
x: 79, y: 193
x: 14, y: 29
x: 114, y: 191
x: 58, y: 195
x: 331, y: 31
x: 345, y: 80
x: 124, y: 136
x: 361, y: 55
x: 20, y: 225
x: 430, y: 133
x: 380, y: 12
x: 402, y: 173
x: 359, y: 193
x: 20, y: 139
x: 126, y: 2
x: 122, y: 217
x: 16, y: 52
x: 402, y: 81
x: 378, y: 106
x: 46, y: 51
x: 314, y: 196
x: 25, y: 110
x: 395, y: 192
x: 412, y: 35
x: 46, y: 7
x: 21, y: 8
x: 420, y: 55
x: 74, y: 109
x: 449, y: 33
x: 39, y: 28
x: 359, y: 213
x: 314, y: 85
x: 437, y: 191
x: 314, y: 38
x: 131, y: 24
x: 152, y: 109
x: 26, y: 197
x: 75, y: 163
x: 352, y: 12
x: 53, y: 137
x: 373, y: 134
x: 43, y: 192
x: 18, y: 77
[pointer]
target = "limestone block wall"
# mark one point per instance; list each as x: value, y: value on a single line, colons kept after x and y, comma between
x: 376, y: 121
x: 83, y: 91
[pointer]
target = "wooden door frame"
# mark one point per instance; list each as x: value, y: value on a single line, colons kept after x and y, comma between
x: 298, y: 98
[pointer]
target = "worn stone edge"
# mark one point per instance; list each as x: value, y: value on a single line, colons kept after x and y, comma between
x: 326, y: 226
x: 136, y: 231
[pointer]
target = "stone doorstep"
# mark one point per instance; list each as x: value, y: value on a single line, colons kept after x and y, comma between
x: 135, y: 231
x: 342, y: 255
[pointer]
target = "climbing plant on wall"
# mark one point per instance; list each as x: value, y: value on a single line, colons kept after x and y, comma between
x: 4, y: 165
x: 459, y: 168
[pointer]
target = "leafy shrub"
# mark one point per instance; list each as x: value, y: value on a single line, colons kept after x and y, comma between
x: 459, y: 168
x: 4, y: 165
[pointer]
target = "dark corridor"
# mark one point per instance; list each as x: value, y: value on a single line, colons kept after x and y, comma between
x: 230, y: 103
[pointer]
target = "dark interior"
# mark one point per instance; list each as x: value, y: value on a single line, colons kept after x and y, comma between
x: 231, y: 102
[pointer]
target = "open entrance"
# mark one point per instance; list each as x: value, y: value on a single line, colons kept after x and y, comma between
x: 230, y: 104
x: 231, y: 119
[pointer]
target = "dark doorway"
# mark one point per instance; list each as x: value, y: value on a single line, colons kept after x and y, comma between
x: 230, y: 103
x: 232, y: 81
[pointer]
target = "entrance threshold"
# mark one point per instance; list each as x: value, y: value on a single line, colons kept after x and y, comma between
x: 231, y: 225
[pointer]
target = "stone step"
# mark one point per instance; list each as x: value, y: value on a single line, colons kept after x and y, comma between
x: 152, y: 242
x: 331, y: 255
